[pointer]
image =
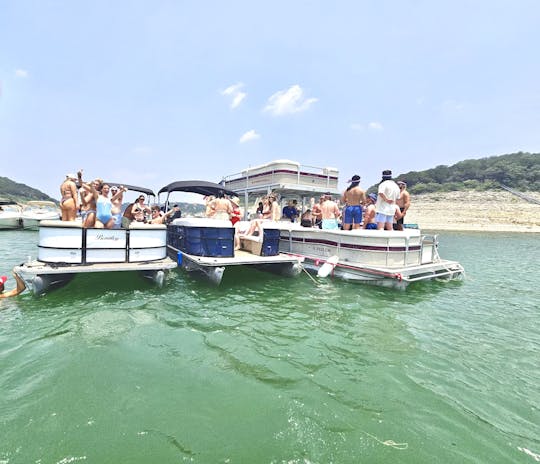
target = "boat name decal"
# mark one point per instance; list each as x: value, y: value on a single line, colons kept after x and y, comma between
x: 114, y: 238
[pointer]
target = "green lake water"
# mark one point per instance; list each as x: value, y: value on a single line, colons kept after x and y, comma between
x: 265, y: 369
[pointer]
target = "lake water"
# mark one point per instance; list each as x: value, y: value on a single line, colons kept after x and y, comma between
x: 266, y: 369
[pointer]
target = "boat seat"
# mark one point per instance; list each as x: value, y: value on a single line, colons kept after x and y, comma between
x: 251, y: 243
x: 142, y: 225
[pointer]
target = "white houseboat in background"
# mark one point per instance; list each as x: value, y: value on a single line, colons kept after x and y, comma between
x: 10, y: 214
x: 388, y: 258
x: 66, y: 249
x: 37, y: 210
x: 206, y: 245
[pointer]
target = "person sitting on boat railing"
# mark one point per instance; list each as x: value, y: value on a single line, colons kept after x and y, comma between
x: 369, y: 212
x: 158, y: 217
x: 307, y: 219
x: 19, y: 289
x: 353, y: 197
x: 220, y: 207
x: 330, y: 213
x: 386, y: 201
x: 271, y: 212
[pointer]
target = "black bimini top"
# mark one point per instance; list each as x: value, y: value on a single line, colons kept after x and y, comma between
x: 132, y: 187
x: 196, y: 186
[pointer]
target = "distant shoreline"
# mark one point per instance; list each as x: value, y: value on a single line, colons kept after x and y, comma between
x: 489, y: 211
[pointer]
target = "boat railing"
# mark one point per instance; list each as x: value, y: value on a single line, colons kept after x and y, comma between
x: 280, y: 173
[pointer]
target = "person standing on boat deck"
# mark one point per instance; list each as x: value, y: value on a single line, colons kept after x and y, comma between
x: 330, y: 213
x: 316, y: 212
x: 221, y: 207
x: 236, y: 214
x: 19, y: 289
x: 88, y: 202
x: 404, y: 201
x: 116, y: 201
x: 353, y: 197
x: 143, y: 206
x: 369, y: 213
x: 208, y: 199
x: 104, y: 217
x: 386, y: 201
x: 69, y: 204
x: 260, y: 209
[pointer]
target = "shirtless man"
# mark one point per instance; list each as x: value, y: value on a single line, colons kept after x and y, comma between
x: 316, y: 212
x: 353, y: 197
x: 369, y: 214
x: 69, y: 204
x: 404, y: 201
x: 330, y: 213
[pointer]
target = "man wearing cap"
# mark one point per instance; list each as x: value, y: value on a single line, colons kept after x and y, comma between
x: 369, y: 214
x: 386, y: 201
x: 353, y: 198
x: 19, y: 289
x: 404, y: 201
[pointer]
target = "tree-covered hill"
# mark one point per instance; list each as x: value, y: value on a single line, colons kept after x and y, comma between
x: 10, y: 190
x: 520, y: 171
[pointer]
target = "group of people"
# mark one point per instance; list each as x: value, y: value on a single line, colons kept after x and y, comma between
x: 100, y: 205
x: 384, y: 210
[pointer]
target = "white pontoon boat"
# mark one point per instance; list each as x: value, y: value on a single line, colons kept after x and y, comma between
x: 388, y: 258
x: 10, y: 215
x: 65, y: 249
x: 35, y: 211
x: 206, y: 245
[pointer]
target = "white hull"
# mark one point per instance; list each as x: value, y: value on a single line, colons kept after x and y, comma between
x: 388, y: 258
x: 31, y: 222
x: 66, y: 248
x: 10, y: 220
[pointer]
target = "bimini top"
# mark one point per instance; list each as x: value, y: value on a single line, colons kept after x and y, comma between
x: 132, y: 187
x: 196, y: 186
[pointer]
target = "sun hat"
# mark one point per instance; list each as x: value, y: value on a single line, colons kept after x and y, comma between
x: 387, y: 174
x: 401, y: 182
x: 71, y: 176
x: 373, y: 196
x: 235, y: 200
x: 355, y: 178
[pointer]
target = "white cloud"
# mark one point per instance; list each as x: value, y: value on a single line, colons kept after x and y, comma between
x: 22, y: 73
x: 234, y: 92
x: 375, y: 126
x: 249, y: 135
x: 289, y: 101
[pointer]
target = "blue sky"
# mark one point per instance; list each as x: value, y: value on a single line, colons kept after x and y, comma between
x: 149, y: 92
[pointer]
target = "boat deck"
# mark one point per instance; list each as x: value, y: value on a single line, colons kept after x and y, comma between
x: 241, y: 258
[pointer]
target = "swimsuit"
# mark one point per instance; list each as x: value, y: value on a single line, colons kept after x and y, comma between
x: 353, y: 215
x: 330, y: 224
x: 104, y: 207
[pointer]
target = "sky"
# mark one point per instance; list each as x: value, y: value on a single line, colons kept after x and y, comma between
x: 155, y: 91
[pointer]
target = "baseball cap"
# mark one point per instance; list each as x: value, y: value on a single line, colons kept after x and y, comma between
x: 355, y: 178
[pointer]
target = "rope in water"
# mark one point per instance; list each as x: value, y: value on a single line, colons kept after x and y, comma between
x: 392, y: 443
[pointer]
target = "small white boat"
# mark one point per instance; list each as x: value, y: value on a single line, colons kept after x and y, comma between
x: 66, y: 249
x: 388, y: 258
x: 206, y: 245
x: 35, y: 211
x: 10, y: 214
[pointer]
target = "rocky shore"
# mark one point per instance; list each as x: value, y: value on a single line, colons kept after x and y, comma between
x: 490, y: 211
